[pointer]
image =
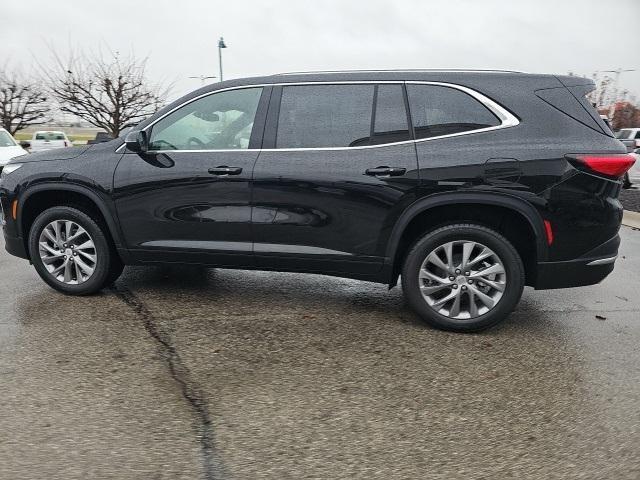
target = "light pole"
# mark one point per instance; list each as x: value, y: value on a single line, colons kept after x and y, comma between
x: 203, y: 77
x: 221, y: 45
x: 617, y: 73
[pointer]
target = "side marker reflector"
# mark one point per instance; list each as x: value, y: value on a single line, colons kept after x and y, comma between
x: 549, y: 231
x: 14, y: 209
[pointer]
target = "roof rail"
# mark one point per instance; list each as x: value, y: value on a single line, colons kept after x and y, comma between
x: 401, y: 70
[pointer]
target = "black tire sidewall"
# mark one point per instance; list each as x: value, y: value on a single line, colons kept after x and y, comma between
x: 105, y: 257
x: 501, y: 246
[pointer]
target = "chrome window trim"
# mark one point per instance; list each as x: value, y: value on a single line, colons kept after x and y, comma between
x: 506, y: 118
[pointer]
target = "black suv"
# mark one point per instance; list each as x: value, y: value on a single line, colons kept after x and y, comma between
x: 467, y: 185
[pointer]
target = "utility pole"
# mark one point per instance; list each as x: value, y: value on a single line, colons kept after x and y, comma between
x: 203, y: 78
x: 616, y: 79
x: 221, y: 45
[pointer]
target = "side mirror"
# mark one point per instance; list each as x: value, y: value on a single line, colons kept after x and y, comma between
x: 24, y: 144
x: 137, y: 141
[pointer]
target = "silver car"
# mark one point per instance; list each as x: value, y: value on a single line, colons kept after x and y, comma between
x: 633, y: 175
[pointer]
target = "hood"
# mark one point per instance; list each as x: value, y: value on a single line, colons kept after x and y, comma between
x: 7, y: 153
x: 56, y: 154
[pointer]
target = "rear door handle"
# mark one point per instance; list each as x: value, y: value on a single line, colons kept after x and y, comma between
x: 386, y: 171
x: 224, y: 170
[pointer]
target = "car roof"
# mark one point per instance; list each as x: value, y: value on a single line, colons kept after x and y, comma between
x: 49, y: 131
x: 475, y: 79
x: 418, y: 75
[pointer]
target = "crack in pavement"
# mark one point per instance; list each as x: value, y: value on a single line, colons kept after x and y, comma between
x: 181, y: 375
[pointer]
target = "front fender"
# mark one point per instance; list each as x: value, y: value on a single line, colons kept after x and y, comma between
x: 102, y: 202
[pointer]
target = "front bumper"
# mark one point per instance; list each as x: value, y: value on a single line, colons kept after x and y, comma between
x: 15, y: 246
x: 589, y: 269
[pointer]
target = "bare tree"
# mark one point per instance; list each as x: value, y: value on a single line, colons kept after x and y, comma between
x: 110, y: 93
x: 602, y: 95
x: 23, y: 101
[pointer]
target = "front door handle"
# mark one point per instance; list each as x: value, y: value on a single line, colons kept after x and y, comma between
x: 224, y: 170
x: 386, y: 171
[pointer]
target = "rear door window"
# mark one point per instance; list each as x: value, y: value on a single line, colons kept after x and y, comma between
x: 438, y: 110
x: 320, y: 116
x: 390, y: 123
x: 329, y: 116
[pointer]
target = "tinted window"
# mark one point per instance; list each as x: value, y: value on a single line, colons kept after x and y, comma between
x: 325, y: 116
x: 623, y: 134
x: 390, y: 123
x: 50, y: 136
x: 437, y: 110
x: 218, y: 121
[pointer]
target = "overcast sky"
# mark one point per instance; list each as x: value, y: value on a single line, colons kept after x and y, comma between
x: 263, y: 37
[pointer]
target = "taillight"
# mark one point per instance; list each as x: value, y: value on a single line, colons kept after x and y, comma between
x: 612, y: 165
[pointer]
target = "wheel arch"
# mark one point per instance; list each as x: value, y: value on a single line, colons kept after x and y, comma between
x: 397, y: 244
x: 25, y: 213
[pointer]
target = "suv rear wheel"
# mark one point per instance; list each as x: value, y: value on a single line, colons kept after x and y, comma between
x: 463, y: 277
x: 70, y: 252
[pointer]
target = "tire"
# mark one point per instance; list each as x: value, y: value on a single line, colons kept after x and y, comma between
x: 93, y: 243
x: 626, y: 181
x: 420, y: 262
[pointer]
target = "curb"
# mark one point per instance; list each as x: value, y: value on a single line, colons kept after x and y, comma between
x: 631, y: 219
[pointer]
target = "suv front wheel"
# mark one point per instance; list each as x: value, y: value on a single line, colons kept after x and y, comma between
x: 71, y: 252
x: 463, y: 277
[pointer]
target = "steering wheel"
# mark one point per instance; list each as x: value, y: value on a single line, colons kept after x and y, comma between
x: 196, y: 141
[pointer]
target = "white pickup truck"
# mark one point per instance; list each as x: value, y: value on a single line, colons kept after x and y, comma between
x: 47, y: 140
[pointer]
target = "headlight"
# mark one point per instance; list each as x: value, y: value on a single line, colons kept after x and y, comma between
x: 10, y: 168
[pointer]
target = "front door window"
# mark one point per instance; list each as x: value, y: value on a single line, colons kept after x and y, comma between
x: 220, y: 121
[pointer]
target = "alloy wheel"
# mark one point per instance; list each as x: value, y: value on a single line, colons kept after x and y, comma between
x: 462, y: 279
x: 68, y: 252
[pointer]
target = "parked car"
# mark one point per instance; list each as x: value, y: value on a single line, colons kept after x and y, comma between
x: 48, y: 140
x: 8, y: 148
x: 633, y: 175
x: 630, y: 137
x: 421, y: 175
x: 101, y: 137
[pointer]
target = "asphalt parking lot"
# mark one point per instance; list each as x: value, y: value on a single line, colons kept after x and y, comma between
x: 187, y: 373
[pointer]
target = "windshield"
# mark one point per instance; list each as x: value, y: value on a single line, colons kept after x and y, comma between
x: 6, y: 140
x: 624, y: 134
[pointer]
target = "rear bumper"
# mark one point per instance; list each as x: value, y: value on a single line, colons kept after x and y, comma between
x: 590, y: 269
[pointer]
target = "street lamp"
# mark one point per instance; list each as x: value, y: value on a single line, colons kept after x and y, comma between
x: 221, y: 45
x: 203, y: 77
x: 617, y: 73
